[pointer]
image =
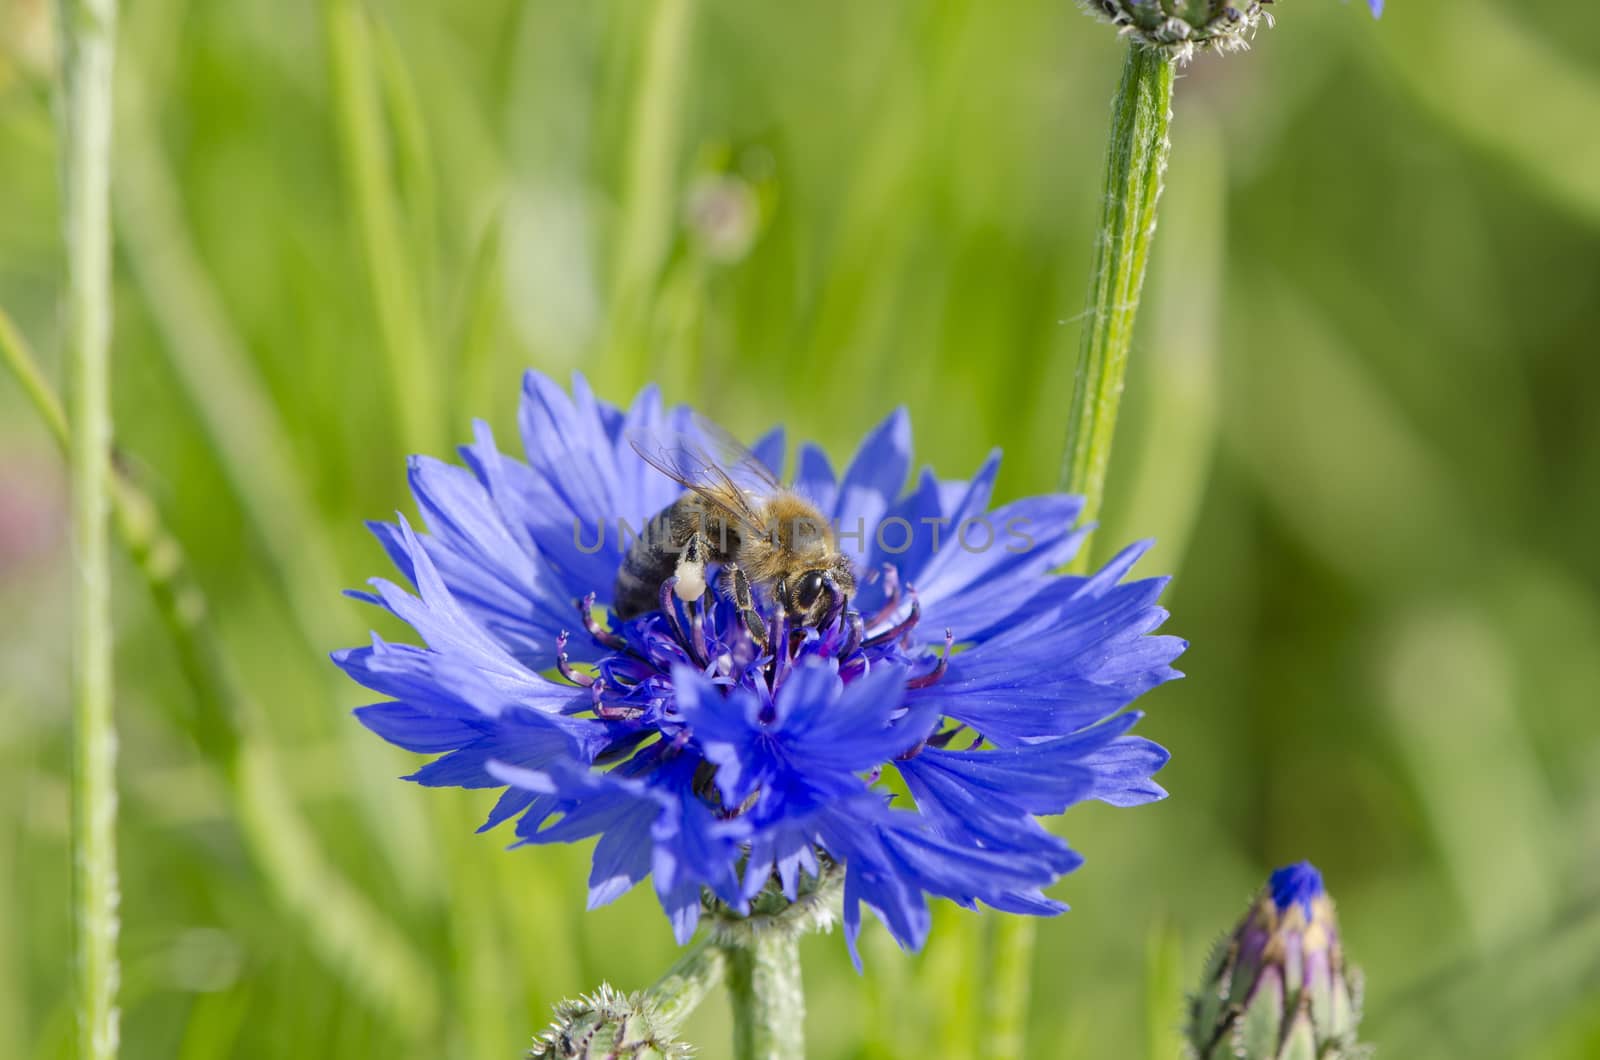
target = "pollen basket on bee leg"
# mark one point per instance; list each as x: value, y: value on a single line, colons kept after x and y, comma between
x: 691, y: 580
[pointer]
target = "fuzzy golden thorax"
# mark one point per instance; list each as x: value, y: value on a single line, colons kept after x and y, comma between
x: 796, y: 554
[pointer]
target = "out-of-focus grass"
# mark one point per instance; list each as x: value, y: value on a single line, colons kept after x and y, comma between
x: 1361, y: 416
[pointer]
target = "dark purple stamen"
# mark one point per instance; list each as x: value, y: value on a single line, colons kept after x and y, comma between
x: 565, y: 668
x: 669, y: 608
x: 941, y: 740
x: 605, y: 711
x: 614, y: 713
x: 697, y: 633
x: 778, y: 645
x: 906, y: 625
x: 836, y: 602
x: 891, y: 589
x: 604, y: 636
x: 937, y: 672
x: 852, y: 639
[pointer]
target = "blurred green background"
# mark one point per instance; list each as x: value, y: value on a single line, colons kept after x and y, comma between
x: 1361, y: 421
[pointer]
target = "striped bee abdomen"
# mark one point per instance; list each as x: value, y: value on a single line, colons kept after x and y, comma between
x: 653, y: 555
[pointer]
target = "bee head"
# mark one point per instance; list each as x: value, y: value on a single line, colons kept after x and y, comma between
x: 815, y: 593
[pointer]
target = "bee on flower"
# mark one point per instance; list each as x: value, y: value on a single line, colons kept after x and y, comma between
x: 720, y: 709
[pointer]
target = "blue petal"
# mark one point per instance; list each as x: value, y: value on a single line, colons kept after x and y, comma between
x: 991, y: 565
x: 872, y: 482
x: 769, y: 449
x: 519, y: 737
x: 992, y: 793
x: 423, y: 731
x: 1061, y: 670
x: 820, y: 734
x: 814, y: 479
x: 936, y: 511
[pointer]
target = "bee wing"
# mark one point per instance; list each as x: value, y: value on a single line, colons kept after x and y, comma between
x: 744, y: 466
x: 686, y: 462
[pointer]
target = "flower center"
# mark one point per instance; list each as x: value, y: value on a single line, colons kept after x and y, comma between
x: 711, y: 635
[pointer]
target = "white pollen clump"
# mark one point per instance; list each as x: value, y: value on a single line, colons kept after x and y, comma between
x: 691, y: 580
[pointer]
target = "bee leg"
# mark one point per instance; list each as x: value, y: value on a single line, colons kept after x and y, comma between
x: 745, y: 602
x: 691, y: 570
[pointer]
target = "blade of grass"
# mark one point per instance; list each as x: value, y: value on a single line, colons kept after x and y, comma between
x: 1010, y: 983
x: 1164, y: 978
x: 340, y: 924
x: 391, y: 269
x: 18, y: 1022
x: 88, y: 31
x: 415, y: 178
x: 25, y: 367
x: 257, y: 457
x: 480, y: 320
x: 650, y: 194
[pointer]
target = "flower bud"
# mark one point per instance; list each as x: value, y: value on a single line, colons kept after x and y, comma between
x: 1181, y: 26
x: 607, y: 1024
x: 1278, y: 988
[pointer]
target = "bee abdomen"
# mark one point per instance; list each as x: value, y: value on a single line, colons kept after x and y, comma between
x: 653, y: 555
x: 639, y: 579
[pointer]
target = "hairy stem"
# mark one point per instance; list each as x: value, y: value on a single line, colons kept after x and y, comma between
x: 769, y: 1006
x: 84, y: 109
x: 1135, y: 161
x: 681, y: 989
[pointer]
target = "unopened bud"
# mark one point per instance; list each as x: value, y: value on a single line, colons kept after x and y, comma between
x: 1278, y: 988
x: 608, y: 1024
x: 1181, y: 26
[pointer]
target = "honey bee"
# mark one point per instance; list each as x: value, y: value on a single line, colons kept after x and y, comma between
x: 763, y: 535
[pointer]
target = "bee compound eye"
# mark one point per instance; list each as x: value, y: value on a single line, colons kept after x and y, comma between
x: 807, y: 589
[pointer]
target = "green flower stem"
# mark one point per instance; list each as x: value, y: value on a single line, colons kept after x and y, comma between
x: 769, y: 1005
x: 88, y: 43
x: 617, y: 1026
x: 342, y: 925
x: 1135, y: 161
x: 686, y: 984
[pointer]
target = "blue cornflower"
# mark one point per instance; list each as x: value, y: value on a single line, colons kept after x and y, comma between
x: 718, y: 762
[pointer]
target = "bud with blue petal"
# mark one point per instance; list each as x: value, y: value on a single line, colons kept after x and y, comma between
x: 1278, y: 987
